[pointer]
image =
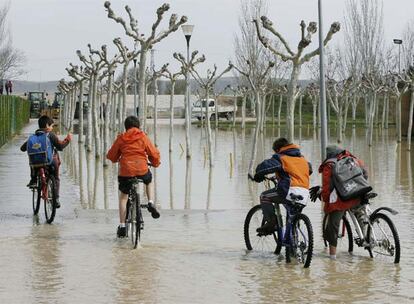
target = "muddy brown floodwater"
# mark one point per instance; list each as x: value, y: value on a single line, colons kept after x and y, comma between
x: 195, y: 252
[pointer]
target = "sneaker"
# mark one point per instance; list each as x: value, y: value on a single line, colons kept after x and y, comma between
x: 154, y: 212
x: 57, y: 203
x: 121, y: 232
x: 268, y: 227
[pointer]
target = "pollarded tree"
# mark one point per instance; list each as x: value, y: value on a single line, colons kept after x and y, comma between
x: 146, y: 43
x: 258, y: 86
x: 126, y: 57
x: 95, y: 66
x: 296, y: 59
x: 188, y: 67
x: 80, y: 76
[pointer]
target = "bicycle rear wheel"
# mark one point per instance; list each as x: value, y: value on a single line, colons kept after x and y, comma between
x: 133, y: 223
x: 36, y: 196
x: 260, y: 242
x: 345, y: 235
x: 301, y: 241
x: 383, y: 237
x: 49, y: 200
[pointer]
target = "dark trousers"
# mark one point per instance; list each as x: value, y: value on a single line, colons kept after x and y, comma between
x: 267, y: 199
x: 330, y: 231
x: 53, y: 170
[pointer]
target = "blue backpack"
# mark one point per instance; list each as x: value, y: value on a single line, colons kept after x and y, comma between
x: 40, y: 150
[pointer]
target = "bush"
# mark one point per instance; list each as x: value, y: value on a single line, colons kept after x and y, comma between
x: 14, y: 114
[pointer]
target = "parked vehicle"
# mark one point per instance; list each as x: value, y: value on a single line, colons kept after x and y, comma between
x: 223, y: 111
x: 37, y: 103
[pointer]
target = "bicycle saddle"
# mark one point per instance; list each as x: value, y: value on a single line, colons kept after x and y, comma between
x: 136, y: 180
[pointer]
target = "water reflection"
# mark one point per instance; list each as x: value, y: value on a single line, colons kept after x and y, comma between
x: 46, y: 270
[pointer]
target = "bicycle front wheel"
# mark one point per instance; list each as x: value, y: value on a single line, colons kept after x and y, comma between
x: 36, y: 197
x: 345, y: 236
x: 260, y: 242
x: 383, y: 238
x: 301, y: 244
x: 49, y: 200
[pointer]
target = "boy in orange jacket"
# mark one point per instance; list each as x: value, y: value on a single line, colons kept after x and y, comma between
x: 133, y: 149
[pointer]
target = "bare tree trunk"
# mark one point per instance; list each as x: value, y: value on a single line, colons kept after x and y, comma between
x: 95, y: 118
x: 256, y: 134
x: 279, y: 111
x: 372, y: 106
x: 216, y: 112
x: 387, y: 110
x: 243, y: 123
x: 263, y: 117
x: 188, y: 171
x: 384, y: 110
x: 80, y: 136
x: 81, y: 185
x: 234, y: 110
x: 171, y: 181
x: 339, y: 126
x: 354, y: 106
x: 89, y: 117
x: 107, y: 115
x: 345, y: 121
x: 188, y: 119
x: 300, y: 111
x: 155, y: 111
x: 410, y: 120
x: 315, y: 113
x: 398, y: 118
x: 142, y: 86
x: 89, y: 178
x: 290, y: 104
x: 209, y: 139
x: 273, y: 110
x: 170, y: 145
x: 124, y: 91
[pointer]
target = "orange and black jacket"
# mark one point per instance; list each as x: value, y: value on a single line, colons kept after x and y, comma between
x: 132, y: 149
x: 290, y: 167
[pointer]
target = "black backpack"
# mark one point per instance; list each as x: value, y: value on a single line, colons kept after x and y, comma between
x: 348, y: 178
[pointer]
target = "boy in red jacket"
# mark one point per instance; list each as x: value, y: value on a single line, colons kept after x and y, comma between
x: 334, y: 206
x: 133, y: 149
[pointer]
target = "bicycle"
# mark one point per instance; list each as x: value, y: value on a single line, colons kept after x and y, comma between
x: 134, y: 220
x: 45, y: 189
x: 296, y: 236
x: 379, y: 236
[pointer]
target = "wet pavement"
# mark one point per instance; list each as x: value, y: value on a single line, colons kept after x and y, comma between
x: 195, y: 252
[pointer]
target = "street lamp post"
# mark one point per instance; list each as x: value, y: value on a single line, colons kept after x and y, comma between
x: 135, y: 88
x: 399, y: 42
x: 322, y: 94
x: 188, y: 30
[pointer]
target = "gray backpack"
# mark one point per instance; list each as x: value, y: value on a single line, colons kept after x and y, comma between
x: 348, y: 178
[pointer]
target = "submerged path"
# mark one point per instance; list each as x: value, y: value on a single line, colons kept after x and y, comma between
x: 187, y: 256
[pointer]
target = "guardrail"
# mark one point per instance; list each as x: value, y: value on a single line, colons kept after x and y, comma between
x: 14, y: 114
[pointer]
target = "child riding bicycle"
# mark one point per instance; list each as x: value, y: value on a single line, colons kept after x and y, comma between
x: 334, y: 205
x: 51, y: 141
x: 292, y: 171
x: 132, y: 149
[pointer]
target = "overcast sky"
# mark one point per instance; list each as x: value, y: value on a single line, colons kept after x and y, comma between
x: 50, y: 31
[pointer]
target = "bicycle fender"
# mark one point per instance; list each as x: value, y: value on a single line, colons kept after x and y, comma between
x: 390, y: 210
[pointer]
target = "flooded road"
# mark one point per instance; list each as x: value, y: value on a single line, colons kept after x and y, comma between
x: 195, y: 252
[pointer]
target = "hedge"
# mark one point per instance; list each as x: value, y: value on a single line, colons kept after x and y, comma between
x: 14, y: 114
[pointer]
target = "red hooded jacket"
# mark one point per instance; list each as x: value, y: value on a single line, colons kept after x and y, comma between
x: 326, y: 170
x: 132, y: 150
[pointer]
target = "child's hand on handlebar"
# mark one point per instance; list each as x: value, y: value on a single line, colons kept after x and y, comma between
x: 69, y: 137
